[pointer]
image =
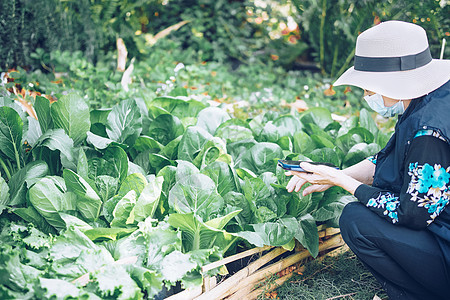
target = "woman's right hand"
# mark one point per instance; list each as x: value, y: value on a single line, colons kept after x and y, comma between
x: 296, y: 183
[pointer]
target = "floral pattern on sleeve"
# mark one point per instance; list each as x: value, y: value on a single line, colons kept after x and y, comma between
x: 429, y: 187
x: 388, y: 202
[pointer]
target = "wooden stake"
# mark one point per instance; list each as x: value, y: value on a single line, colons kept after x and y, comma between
x: 232, y: 258
x: 187, y: 294
x: 267, y: 288
x: 252, y: 279
x: 222, y: 290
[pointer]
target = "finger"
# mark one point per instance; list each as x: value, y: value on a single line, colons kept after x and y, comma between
x: 310, y: 189
x: 308, y: 167
x: 299, y: 185
x: 288, y: 173
x: 315, y: 188
x: 292, y: 183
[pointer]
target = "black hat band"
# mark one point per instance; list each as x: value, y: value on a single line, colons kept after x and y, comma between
x: 393, y: 64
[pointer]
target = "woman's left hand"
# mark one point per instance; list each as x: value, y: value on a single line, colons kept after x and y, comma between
x: 321, y: 175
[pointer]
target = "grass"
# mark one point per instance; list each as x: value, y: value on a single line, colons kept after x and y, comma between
x: 342, y: 277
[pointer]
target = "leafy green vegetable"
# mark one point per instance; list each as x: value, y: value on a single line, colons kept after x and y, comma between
x: 261, y: 158
x: 198, y: 234
x: 124, y: 122
x: 48, y: 199
x: 148, y: 200
x: 71, y: 113
x: 196, y: 194
x: 88, y: 202
x: 11, y: 126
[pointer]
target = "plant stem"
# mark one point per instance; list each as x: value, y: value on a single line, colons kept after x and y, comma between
x: 322, y: 36
x: 16, y: 153
x: 196, y: 242
x: 2, y: 163
x: 335, y: 57
x: 229, y: 244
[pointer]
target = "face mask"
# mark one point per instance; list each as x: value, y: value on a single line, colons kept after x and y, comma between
x: 376, y: 103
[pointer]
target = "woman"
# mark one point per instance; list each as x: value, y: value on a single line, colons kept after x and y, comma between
x: 400, y: 226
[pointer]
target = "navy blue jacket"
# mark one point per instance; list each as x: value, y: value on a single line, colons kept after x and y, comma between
x: 428, y: 112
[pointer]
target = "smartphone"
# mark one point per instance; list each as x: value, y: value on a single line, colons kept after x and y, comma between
x: 294, y: 165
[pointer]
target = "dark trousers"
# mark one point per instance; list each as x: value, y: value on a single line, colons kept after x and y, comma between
x: 408, y: 263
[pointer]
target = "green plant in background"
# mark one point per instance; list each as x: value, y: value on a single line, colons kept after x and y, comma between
x: 219, y: 30
x: 330, y: 27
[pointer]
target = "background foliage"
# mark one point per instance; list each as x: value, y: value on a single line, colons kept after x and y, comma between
x: 240, y: 31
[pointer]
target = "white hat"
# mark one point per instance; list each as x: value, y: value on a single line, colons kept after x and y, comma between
x: 393, y: 59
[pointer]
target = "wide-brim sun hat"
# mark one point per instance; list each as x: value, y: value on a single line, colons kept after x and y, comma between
x: 393, y: 59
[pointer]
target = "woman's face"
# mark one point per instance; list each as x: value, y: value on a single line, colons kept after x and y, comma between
x: 388, y: 102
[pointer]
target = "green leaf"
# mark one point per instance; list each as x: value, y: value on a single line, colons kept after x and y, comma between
x: 234, y: 133
x: 298, y: 204
x: 211, y: 151
x: 307, y: 234
x: 150, y: 281
x: 359, y: 152
x: 319, y: 116
x: 176, y: 265
x: 165, y: 128
x: 321, y: 141
x: 71, y: 113
x: 239, y: 148
x: 118, y: 161
x: 210, y: 118
x: 15, y: 275
x: 82, y: 165
x: 159, y: 242
x: 145, y: 143
x: 366, y: 121
x: 135, y: 182
x: 34, y: 131
x: 106, y: 186
x: 261, y: 158
x: 31, y: 215
x: 280, y: 127
x: 332, y: 211
x: 57, y: 289
x: 276, y: 233
x: 171, y: 149
x: 348, y: 124
x: 74, y: 221
x: 325, y: 155
x: 49, y: 200
x: 179, y: 106
x: 25, y: 178
x: 109, y: 286
x: 259, y: 199
x: 11, y: 126
x: 148, y: 200
x: 124, y: 122
x: 4, y: 194
x: 88, y: 202
x: 97, y: 141
x: 196, y: 194
x: 123, y: 212
x: 192, y: 142
x: 57, y: 139
x: 101, y: 234
x: 222, y: 175
x: 99, y: 115
x: 198, y: 234
x: 42, y: 108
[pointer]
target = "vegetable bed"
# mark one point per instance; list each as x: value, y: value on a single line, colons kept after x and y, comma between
x: 126, y: 202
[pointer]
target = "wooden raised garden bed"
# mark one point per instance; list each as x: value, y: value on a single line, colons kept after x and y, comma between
x: 252, y: 280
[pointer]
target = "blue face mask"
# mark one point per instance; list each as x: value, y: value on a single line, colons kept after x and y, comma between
x: 376, y: 103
